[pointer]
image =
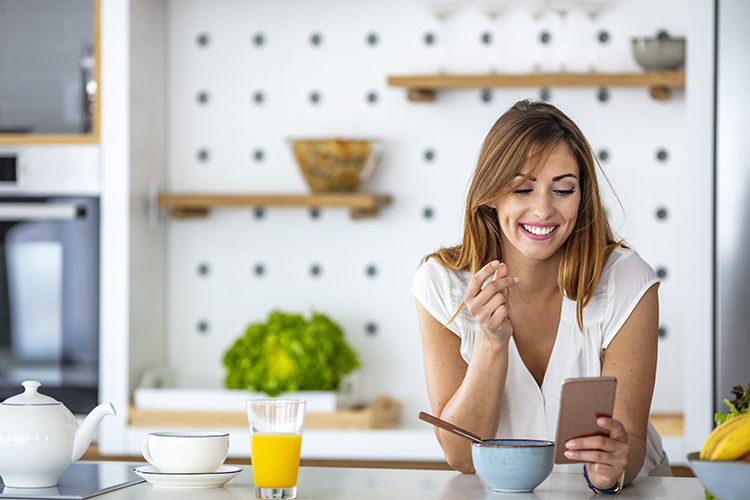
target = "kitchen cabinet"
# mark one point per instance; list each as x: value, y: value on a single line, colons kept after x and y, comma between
x: 49, y: 82
x: 423, y: 87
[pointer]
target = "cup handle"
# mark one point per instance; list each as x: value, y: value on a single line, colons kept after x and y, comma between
x: 147, y: 453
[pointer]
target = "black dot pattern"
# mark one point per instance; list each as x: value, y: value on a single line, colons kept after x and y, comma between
x: 202, y: 326
x: 371, y: 270
x: 203, y: 40
x: 203, y: 269
x: 371, y: 329
x: 661, y: 213
x: 662, y: 155
x: 430, y: 39
x: 603, y: 36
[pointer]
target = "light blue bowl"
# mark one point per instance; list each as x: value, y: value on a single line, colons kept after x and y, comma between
x: 513, y: 465
x: 724, y: 479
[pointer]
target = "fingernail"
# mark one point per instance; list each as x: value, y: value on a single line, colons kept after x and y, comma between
x: 569, y: 454
x: 569, y: 445
x: 495, y: 263
x: 516, y: 279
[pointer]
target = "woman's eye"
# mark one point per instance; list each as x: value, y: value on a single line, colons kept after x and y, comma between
x: 565, y: 192
x: 522, y: 191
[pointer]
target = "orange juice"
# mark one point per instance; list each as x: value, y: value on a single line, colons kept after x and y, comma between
x: 275, y: 458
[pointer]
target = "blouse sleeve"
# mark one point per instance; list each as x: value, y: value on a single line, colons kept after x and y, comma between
x: 631, y: 276
x: 432, y: 288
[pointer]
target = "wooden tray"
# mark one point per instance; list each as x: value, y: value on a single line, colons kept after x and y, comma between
x: 382, y: 413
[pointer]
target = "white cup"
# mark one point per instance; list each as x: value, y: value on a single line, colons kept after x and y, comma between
x: 186, y: 451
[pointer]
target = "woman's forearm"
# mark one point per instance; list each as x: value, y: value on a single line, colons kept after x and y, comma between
x: 476, y: 404
x: 636, y: 457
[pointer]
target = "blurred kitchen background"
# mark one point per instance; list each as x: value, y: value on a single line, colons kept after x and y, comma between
x: 107, y: 105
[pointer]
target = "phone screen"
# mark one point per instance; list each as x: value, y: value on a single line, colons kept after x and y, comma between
x: 582, y: 401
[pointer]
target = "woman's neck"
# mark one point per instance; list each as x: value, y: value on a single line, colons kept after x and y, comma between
x: 538, y: 277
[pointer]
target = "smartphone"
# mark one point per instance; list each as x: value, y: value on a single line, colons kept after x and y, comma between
x: 582, y: 401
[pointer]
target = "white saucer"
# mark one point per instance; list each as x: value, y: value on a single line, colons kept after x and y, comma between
x: 188, y: 480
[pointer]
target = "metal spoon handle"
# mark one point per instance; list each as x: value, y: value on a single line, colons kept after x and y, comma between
x: 449, y: 427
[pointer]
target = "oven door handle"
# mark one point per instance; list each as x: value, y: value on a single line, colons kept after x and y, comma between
x: 39, y: 211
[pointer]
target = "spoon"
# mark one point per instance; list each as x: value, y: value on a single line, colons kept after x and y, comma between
x: 450, y: 427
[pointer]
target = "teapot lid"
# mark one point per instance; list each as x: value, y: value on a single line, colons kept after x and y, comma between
x: 30, y: 396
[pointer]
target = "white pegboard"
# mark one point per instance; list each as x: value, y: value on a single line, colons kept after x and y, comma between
x: 234, y: 125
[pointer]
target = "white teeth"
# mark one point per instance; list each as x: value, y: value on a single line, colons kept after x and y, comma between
x: 539, y: 231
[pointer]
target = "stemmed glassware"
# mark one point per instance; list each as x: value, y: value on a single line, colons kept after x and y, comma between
x: 594, y: 9
x: 536, y: 8
x: 495, y: 9
x: 442, y: 10
x: 562, y: 7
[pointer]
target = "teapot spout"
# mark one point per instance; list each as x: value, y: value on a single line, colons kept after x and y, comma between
x: 85, y: 431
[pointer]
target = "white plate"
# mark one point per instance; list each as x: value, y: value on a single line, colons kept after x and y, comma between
x: 188, y: 480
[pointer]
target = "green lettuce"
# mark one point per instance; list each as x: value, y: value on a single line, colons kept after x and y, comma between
x: 290, y: 353
x: 739, y: 405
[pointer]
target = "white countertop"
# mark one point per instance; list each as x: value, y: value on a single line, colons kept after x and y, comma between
x: 363, y: 484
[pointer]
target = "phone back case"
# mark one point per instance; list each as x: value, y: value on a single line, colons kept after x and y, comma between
x: 582, y: 401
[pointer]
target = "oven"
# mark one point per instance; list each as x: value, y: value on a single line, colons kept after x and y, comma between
x: 49, y: 292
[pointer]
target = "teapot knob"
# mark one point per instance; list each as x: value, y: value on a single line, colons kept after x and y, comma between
x: 30, y: 386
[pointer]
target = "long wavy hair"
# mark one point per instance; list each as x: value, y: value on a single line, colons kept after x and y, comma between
x: 524, y: 135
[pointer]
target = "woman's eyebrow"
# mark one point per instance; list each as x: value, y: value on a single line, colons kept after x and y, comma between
x: 561, y: 177
x: 554, y: 179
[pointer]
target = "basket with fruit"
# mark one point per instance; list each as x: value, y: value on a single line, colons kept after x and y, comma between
x: 723, y: 464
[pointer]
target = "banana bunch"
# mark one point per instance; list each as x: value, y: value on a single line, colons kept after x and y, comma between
x: 729, y: 441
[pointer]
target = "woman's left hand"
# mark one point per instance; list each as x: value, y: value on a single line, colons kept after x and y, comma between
x: 605, y: 456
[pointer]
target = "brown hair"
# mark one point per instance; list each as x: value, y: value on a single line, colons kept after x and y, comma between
x: 528, y: 132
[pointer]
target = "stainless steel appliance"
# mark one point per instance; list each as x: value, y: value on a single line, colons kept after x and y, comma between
x: 732, y: 220
x: 49, y: 292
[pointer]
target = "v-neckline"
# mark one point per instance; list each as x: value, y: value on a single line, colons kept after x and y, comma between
x: 540, y: 386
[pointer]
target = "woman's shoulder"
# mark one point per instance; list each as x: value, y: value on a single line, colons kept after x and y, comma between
x: 432, y: 270
x: 625, y: 265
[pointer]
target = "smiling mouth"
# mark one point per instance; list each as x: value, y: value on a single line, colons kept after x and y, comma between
x: 539, y: 231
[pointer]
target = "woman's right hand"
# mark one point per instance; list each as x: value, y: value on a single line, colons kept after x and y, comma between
x: 489, y: 305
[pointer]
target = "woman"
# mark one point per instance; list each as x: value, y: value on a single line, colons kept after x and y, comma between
x: 539, y: 291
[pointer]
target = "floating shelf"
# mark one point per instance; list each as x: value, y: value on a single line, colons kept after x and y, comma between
x: 423, y: 87
x: 189, y: 205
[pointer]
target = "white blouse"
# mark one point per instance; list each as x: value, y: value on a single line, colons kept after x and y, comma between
x: 528, y: 410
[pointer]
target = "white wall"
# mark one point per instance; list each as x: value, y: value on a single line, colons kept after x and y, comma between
x: 344, y: 69
x: 232, y: 126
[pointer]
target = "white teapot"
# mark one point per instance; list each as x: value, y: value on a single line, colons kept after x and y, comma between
x: 40, y: 437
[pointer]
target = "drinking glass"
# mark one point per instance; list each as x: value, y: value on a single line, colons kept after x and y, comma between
x: 275, y: 443
x: 594, y: 9
x: 442, y: 10
x: 562, y: 7
x: 494, y: 9
x: 536, y: 8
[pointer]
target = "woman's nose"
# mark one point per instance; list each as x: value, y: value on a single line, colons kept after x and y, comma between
x: 543, y: 206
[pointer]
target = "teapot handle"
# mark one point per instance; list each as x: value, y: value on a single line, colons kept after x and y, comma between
x: 147, y: 453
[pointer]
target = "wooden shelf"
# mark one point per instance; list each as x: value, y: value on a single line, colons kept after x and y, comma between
x: 382, y: 413
x: 423, y: 87
x: 188, y: 205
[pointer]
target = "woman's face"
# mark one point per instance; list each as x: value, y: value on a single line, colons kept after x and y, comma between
x: 539, y: 214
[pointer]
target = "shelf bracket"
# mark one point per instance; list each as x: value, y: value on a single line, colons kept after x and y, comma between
x: 420, y: 95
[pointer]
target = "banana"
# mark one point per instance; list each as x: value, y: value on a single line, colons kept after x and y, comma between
x: 719, y: 433
x: 736, y: 443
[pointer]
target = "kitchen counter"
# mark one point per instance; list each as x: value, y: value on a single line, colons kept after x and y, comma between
x: 363, y: 484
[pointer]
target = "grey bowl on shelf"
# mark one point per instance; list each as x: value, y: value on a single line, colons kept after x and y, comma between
x: 724, y: 479
x: 659, y: 53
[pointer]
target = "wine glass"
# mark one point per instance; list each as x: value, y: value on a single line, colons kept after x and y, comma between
x: 562, y: 7
x: 594, y: 9
x: 442, y: 10
x: 494, y: 9
x: 536, y: 8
